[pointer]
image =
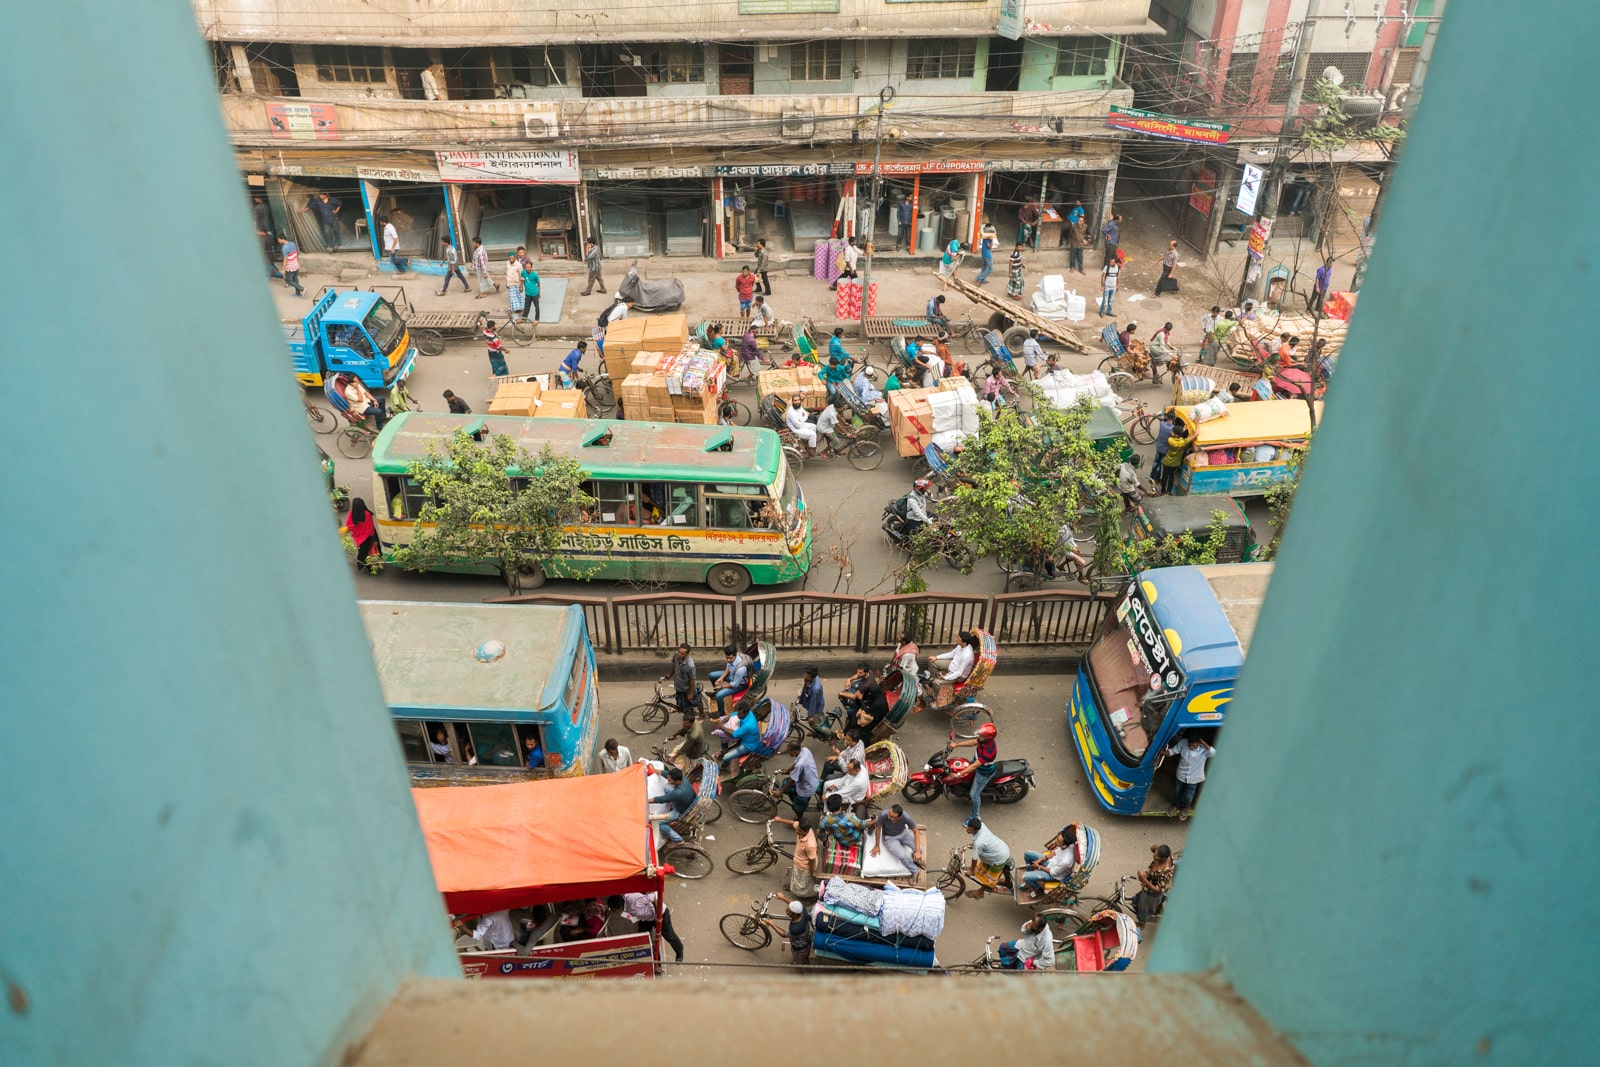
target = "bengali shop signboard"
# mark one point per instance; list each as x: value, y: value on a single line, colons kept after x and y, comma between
x: 1167, y: 127
x: 303, y: 122
x: 539, y: 167
x: 624, y: 956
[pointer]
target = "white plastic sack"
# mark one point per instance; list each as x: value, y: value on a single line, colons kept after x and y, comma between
x: 1076, y: 307
x: 1208, y: 410
x: 946, y: 409
x: 1053, y: 286
x: 949, y: 439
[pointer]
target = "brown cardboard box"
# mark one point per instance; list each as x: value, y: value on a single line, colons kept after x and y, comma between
x: 626, y: 332
x: 787, y: 381
x: 665, y: 332
x: 561, y: 404
x: 514, y: 398
x: 646, y: 362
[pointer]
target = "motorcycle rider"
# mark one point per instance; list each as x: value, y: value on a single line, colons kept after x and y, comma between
x: 917, y: 507
x: 988, y: 756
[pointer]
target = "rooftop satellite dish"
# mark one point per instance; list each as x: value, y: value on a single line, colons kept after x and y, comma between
x: 1333, y: 74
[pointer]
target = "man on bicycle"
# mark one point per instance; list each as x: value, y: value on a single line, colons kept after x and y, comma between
x: 683, y: 679
x: 569, y: 366
x: 801, y: 785
x: 678, y: 798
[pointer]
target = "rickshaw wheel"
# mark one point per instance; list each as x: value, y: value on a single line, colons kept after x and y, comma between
x: 429, y: 342
x: 733, y: 413
x: 951, y: 884
x: 744, y: 931
x: 689, y: 861
x: 865, y: 455
x: 712, y: 813
x: 354, y: 443
x: 1121, y: 382
x: 321, y: 419
x: 1022, y: 582
x: 966, y: 718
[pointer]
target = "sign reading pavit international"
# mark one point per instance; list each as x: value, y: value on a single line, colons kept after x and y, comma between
x: 538, y: 167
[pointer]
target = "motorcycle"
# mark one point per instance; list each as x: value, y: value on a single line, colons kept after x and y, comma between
x: 650, y: 297
x: 943, y: 539
x: 953, y: 774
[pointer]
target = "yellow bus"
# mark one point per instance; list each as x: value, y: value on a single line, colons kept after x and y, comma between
x: 674, y: 502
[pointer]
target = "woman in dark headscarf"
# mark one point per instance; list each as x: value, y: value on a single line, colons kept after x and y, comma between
x: 363, y: 531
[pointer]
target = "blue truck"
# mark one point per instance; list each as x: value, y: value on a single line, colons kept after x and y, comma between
x: 353, y: 331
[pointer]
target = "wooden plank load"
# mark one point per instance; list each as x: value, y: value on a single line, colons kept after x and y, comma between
x: 1022, y: 315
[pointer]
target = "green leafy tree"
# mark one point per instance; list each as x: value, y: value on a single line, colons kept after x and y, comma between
x: 1020, y: 482
x: 493, y: 502
x: 1176, y: 550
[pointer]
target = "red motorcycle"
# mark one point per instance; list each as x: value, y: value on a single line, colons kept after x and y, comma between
x: 947, y: 773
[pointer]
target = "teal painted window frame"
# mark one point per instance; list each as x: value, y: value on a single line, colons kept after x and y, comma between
x: 1080, y: 50
x: 941, y: 54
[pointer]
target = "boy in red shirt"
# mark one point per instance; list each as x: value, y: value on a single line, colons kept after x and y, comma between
x: 497, y: 359
x: 745, y: 286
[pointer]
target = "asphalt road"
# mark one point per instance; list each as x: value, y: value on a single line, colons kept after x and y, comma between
x: 1028, y: 709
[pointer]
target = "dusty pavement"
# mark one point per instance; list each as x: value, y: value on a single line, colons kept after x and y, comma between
x: 1028, y: 709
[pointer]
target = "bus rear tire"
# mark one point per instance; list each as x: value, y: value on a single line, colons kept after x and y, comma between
x: 729, y: 579
x: 524, y: 577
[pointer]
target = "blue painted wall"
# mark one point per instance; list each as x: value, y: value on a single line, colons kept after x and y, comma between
x: 1395, y: 861
x: 209, y: 853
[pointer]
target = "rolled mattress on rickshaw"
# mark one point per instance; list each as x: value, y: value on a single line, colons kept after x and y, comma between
x: 862, y: 950
x: 775, y: 730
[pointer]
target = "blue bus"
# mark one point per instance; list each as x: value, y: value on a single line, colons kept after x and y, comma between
x: 1166, y: 660
x: 486, y: 693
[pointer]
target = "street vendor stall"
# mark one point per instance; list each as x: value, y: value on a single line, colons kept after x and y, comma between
x: 532, y: 844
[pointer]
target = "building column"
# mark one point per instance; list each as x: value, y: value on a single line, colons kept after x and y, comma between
x: 976, y: 197
x: 916, y: 211
x: 241, y: 69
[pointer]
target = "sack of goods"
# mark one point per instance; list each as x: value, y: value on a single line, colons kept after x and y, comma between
x: 1214, y: 408
x: 955, y: 412
x: 1050, y: 299
x: 1193, y: 388
x: 1063, y: 388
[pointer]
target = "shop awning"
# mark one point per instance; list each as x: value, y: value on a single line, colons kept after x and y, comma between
x: 508, y: 846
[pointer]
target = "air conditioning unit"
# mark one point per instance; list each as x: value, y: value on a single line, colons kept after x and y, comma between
x: 1395, y: 102
x: 540, y: 125
x: 1361, y: 105
x: 798, y: 124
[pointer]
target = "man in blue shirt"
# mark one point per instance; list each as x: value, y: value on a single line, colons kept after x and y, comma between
x: 533, y: 751
x: 865, y: 391
x: 679, y: 797
x: 569, y: 366
x: 936, y: 313
x: 811, y: 697
x: 802, y: 783
x: 1319, y: 285
x: 903, y: 215
x: 1112, y: 232
x: 746, y: 738
x: 731, y: 678
x: 836, y: 346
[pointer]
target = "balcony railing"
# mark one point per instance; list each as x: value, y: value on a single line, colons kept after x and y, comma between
x: 650, y: 120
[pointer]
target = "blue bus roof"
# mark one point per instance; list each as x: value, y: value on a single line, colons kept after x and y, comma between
x: 1208, y: 614
x: 425, y: 658
x: 351, y: 308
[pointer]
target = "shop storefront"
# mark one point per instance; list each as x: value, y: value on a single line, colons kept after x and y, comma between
x: 651, y: 211
x: 511, y: 199
x: 408, y: 194
x: 790, y: 206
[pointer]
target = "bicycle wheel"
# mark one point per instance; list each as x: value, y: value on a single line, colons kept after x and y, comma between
x: 321, y: 419
x: 429, y: 342
x: 868, y: 432
x: 689, y: 861
x: 1109, y: 364
x: 522, y: 332
x: 600, y: 394
x: 733, y: 413
x: 712, y: 813
x: 1023, y: 582
x: 1143, y: 430
x: 645, y: 718
x: 751, y: 860
x: 752, y: 805
x: 951, y: 884
x: 745, y: 931
x: 355, y: 443
x: 966, y: 718
x: 796, y: 458
x: 865, y: 455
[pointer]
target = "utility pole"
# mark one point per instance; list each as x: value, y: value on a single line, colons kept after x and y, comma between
x: 1272, y: 193
x: 1418, y: 74
x: 885, y: 95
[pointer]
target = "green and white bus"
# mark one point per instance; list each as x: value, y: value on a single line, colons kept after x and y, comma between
x: 675, y: 502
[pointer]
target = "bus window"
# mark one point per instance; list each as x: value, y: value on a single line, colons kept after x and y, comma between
x: 405, y: 497
x: 494, y: 742
x: 728, y: 512
x: 530, y: 747
x: 439, y: 743
x: 679, y: 503
x: 412, y: 741
x: 611, y: 501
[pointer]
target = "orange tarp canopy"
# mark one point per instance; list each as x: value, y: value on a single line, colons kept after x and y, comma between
x: 508, y: 846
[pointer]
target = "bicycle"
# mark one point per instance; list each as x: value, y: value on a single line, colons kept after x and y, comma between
x: 1141, y: 424
x: 758, y: 803
x: 863, y: 454
x: 754, y: 931
x: 761, y: 855
x: 598, y: 393
x: 320, y: 418
x: 653, y: 714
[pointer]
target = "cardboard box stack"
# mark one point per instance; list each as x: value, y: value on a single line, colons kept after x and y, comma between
x: 911, y: 416
x: 666, y: 333
x: 515, y: 398
x: 787, y: 381
x: 624, y: 340
x: 560, y: 404
x: 677, y: 386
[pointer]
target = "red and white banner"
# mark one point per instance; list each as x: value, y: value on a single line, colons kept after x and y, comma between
x: 623, y: 956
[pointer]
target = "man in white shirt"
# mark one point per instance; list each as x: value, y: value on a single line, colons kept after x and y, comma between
x: 1053, y: 866
x: 1032, y: 354
x: 1035, y: 950
x: 799, y: 425
x: 391, y: 244
x: 1192, y: 754
x: 828, y: 428
x: 962, y: 658
x: 614, y: 757
x: 762, y: 315
x: 852, y: 788
x: 640, y: 909
x: 495, y: 930
x: 866, y: 392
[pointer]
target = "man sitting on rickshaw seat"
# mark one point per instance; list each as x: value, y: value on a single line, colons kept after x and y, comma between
x: 852, y: 786
x: 850, y: 695
x: 1052, y: 866
x: 1035, y: 950
x: 679, y: 798
x: 841, y: 824
x: 746, y: 738
x: 991, y: 858
x: 362, y: 402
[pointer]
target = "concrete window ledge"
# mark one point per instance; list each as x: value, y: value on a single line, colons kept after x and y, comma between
x: 1117, y: 1018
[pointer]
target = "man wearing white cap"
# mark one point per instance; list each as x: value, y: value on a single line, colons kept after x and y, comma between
x: 795, y: 418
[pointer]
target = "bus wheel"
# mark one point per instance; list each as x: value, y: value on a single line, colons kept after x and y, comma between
x: 729, y: 579
x: 523, y: 577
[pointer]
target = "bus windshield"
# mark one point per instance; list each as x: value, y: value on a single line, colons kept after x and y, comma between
x: 384, y: 324
x: 1131, y: 707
